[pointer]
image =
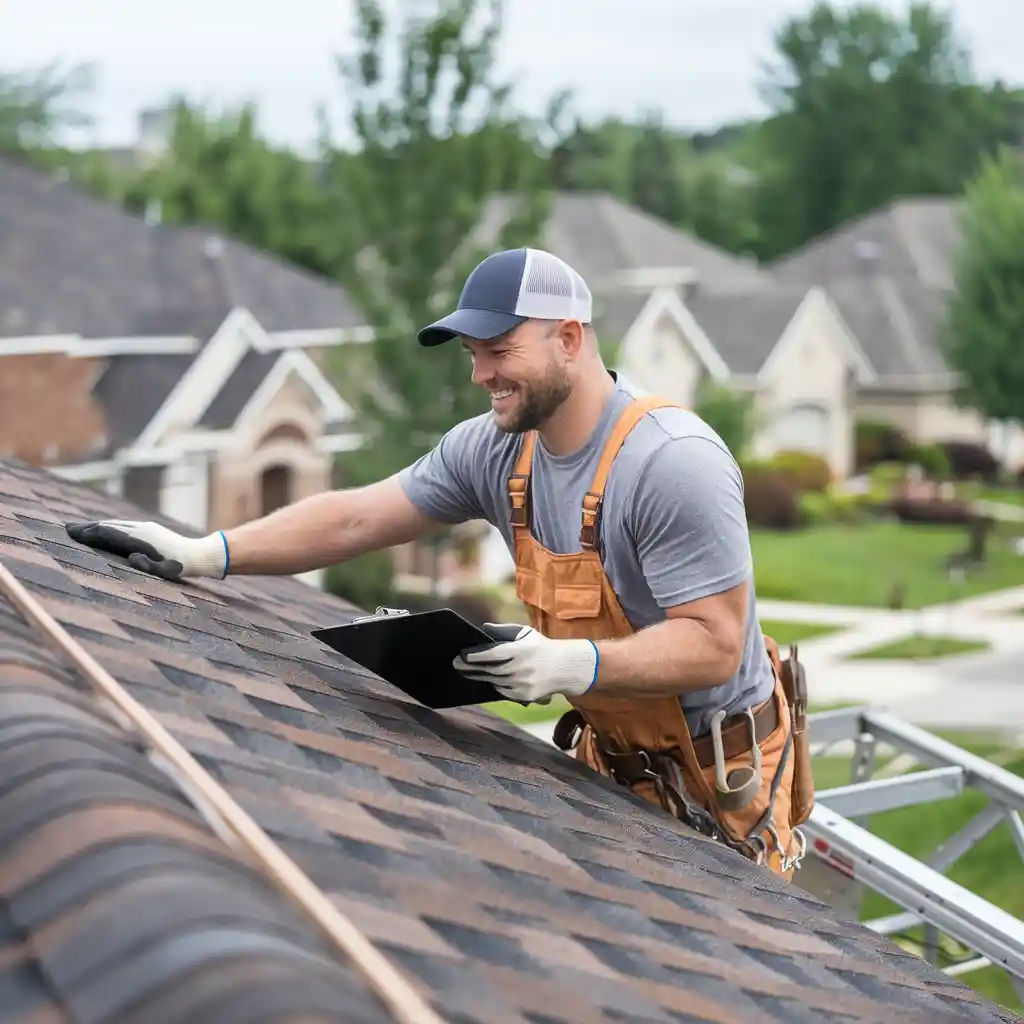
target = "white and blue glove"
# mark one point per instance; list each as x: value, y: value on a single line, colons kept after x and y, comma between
x: 527, y: 666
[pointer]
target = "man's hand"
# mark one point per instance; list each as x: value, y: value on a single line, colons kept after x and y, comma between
x: 150, y: 547
x: 528, y: 666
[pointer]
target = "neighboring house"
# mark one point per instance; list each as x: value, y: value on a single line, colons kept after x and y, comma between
x: 673, y: 310
x: 890, y: 273
x: 167, y: 364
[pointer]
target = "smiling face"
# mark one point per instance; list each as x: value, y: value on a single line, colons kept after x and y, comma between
x: 528, y: 373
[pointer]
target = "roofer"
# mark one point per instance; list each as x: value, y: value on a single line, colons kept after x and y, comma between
x: 625, y: 516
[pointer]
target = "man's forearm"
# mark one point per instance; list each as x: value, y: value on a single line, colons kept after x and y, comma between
x: 323, y: 530
x: 678, y: 655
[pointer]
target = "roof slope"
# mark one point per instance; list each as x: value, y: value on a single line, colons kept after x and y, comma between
x: 75, y: 264
x: 889, y: 274
x: 507, y: 881
x: 602, y: 236
x: 745, y: 327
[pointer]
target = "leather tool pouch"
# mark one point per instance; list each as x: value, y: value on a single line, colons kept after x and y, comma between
x: 794, y: 684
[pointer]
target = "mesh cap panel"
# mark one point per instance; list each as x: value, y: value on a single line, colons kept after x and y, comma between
x: 552, y: 290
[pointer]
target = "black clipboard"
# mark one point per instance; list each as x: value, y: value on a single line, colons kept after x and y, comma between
x: 414, y: 651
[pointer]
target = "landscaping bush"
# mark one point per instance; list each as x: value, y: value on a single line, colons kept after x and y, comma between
x: 832, y: 506
x: 968, y: 460
x: 878, y: 442
x: 931, y: 510
x: 364, y: 581
x: 806, y: 471
x: 770, y: 498
x: 932, y: 459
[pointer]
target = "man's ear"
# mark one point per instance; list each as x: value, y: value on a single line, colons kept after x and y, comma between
x: 571, y: 336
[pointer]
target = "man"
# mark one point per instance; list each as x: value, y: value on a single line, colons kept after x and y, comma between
x: 626, y: 519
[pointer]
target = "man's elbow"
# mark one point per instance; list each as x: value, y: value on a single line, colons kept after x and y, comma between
x: 728, y: 657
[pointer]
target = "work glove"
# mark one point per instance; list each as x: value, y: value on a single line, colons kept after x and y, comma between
x: 152, y: 548
x: 527, y: 666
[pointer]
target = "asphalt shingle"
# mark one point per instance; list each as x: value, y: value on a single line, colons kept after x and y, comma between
x: 508, y: 882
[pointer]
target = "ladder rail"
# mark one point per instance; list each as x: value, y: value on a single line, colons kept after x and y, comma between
x: 926, y: 895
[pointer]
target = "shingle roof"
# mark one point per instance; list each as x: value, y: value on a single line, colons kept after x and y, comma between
x: 247, y: 376
x: 745, y: 327
x: 889, y: 273
x: 507, y: 881
x: 75, y: 264
x: 600, y: 235
x: 132, y: 388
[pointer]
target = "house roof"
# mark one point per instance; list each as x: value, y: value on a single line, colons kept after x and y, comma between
x: 76, y: 264
x: 505, y: 880
x: 745, y: 327
x: 131, y: 389
x: 238, y: 389
x: 604, y: 237
x: 889, y: 273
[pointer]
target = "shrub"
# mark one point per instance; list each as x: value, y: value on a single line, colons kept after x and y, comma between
x: 728, y: 413
x: 932, y: 459
x: 932, y: 510
x: 878, y: 442
x: 967, y: 459
x: 807, y: 472
x: 770, y: 498
x: 832, y: 506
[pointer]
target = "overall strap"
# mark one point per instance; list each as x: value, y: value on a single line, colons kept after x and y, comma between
x: 519, y: 484
x: 593, y: 499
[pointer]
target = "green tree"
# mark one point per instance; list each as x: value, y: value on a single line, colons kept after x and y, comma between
x: 218, y: 169
x: 729, y: 413
x: 984, y: 335
x: 435, y: 141
x: 866, y: 106
x: 35, y: 106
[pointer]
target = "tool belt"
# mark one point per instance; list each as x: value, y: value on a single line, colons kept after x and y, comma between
x: 739, y: 734
x: 735, y: 739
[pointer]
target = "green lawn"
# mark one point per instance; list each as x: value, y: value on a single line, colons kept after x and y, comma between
x: 862, y: 564
x: 919, y: 646
x: 514, y: 712
x: 784, y: 632
x: 985, y: 870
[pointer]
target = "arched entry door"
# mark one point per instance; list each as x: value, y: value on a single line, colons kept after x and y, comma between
x: 275, y: 488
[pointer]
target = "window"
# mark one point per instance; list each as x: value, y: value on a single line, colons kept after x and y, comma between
x: 275, y: 488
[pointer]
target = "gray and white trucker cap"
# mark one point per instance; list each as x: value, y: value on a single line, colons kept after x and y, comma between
x: 508, y: 288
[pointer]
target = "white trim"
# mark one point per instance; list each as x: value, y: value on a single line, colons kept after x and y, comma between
x: 655, y: 277
x: 320, y: 338
x: 198, y: 385
x: 340, y: 442
x: 38, y: 344
x: 793, y: 332
x: 180, y: 345
x: 665, y: 300
x: 78, y: 347
x: 86, y: 470
x: 296, y: 361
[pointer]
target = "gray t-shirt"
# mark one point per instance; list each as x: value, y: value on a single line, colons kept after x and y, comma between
x: 673, y: 525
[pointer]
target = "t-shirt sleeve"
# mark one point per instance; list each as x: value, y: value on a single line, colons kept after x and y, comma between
x: 444, y: 483
x: 688, y: 521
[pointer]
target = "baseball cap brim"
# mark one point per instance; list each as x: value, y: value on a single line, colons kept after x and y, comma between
x: 482, y: 324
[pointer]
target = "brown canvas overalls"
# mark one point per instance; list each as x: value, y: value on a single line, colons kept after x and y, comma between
x: 645, y: 743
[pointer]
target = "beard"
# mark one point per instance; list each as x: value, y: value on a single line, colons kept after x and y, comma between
x: 538, y: 401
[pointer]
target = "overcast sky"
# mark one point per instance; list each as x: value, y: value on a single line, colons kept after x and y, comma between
x: 695, y: 60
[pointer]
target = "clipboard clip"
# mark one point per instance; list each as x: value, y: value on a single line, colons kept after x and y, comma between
x: 381, y: 613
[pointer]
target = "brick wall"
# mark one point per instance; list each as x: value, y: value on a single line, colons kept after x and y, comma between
x: 47, y: 413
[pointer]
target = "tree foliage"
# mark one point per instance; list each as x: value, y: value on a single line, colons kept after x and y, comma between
x: 984, y: 335
x: 866, y: 106
x: 729, y: 413
x: 35, y: 106
x: 436, y: 140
